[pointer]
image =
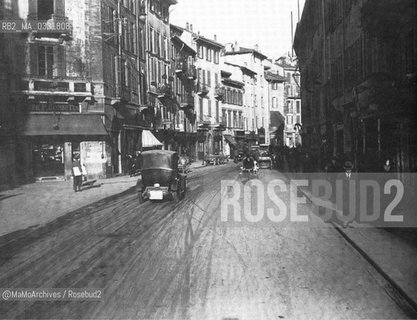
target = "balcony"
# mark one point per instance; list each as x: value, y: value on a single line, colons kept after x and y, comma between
x: 164, y: 91
x: 202, y: 89
x: 219, y: 92
x: 186, y: 101
x: 191, y: 72
x: 63, y: 28
x: 180, y: 67
x: 34, y: 84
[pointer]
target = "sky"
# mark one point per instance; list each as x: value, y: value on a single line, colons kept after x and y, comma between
x: 247, y: 22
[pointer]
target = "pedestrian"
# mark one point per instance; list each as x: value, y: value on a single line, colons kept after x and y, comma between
x: 76, y: 173
x: 346, y: 197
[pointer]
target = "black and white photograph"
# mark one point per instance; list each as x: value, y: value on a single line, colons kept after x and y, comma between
x: 208, y: 160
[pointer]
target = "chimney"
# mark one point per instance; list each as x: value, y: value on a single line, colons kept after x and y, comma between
x: 191, y: 27
x: 187, y: 27
x: 256, y: 47
x: 215, y: 37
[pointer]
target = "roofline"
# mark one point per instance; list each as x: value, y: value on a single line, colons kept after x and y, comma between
x: 209, y: 41
x: 243, y: 68
x: 184, y: 44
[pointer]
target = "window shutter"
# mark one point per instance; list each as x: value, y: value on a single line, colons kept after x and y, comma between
x: 61, y: 61
x: 33, y: 9
x: 59, y: 6
x: 33, y: 59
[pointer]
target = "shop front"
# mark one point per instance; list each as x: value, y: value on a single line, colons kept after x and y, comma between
x: 47, y: 144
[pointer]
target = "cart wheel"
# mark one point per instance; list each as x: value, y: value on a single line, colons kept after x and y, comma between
x: 140, y: 197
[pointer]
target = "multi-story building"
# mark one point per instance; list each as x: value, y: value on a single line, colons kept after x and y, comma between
x: 230, y: 92
x: 161, y: 106
x: 207, y: 107
x: 358, y: 79
x: 276, y: 101
x: 292, y: 106
x: 183, y: 59
x: 256, y: 109
x: 72, y: 102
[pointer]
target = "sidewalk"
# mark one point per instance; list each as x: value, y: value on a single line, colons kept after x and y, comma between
x: 393, y: 252
x: 41, y: 202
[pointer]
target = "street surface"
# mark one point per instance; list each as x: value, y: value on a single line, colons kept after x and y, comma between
x: 181, y: 261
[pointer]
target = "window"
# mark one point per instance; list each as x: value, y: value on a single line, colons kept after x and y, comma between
x: 216, y: 56
x: 46, y: 61
x: 208, y: 78
x: 158, y: 43
x: 209, y: 54
x: 45, y: 9
x: 217, y: 111
x: 150, y: 40
x: 216, y: 79
x: 209, y: 107
x: 141, y: 43
x: 199, y: 77
x: 200, y: 100
x: 166, y: 48
x: 298, y: 108
x: 200, y: 50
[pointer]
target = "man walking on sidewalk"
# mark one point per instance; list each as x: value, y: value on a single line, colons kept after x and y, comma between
x: 76, y: 173
x: 347, y: 197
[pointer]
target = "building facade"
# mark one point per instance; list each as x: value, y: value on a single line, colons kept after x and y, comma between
x: 276, y: 101
x: 358, y: 80
x: 292, y: 106
x: 183, y: 60
x: 161, y: 106
x: 256, y: 108
x: 230, y: 92
x: 73, y: 103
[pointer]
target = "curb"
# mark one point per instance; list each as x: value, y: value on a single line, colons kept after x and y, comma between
x: 410, y: 306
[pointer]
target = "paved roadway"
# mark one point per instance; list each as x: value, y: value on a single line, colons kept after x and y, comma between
x: 181, y: 261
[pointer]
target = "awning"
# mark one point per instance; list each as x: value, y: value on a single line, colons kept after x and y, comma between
x: 230, y: 139
x: 149, y: 140
x: 62, y: 124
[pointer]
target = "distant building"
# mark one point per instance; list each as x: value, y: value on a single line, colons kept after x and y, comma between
x: 274, y: 75
x: 292, y: 97
x: 183, y: 59
x: 256, y: 108
x: 231, y: 91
